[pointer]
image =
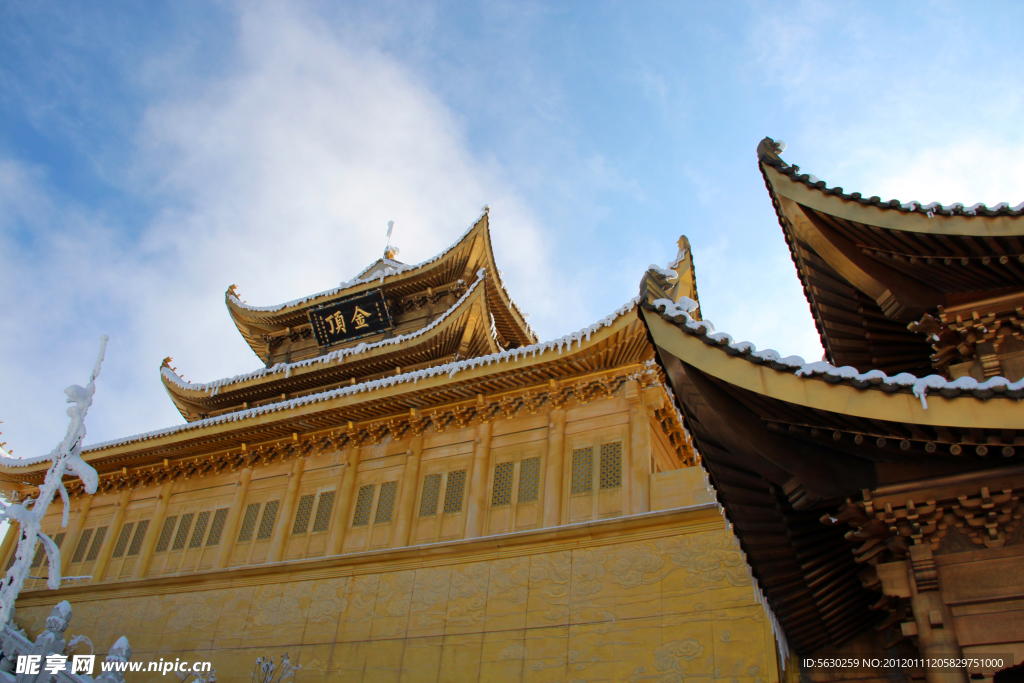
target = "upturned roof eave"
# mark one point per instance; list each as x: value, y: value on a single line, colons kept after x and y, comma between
x: 872, y: 403
x: 807, y: 191
x: 508, y: 310
x: 902, y: 260
x: 270, y: 316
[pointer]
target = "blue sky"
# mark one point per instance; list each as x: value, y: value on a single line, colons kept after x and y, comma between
x: 153, y: 154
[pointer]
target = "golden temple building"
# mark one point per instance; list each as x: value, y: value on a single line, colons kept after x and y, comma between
x: 414, y: 488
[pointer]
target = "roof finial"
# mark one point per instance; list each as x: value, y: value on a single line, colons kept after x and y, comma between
x: 768, y: 151
x: 390, y: 252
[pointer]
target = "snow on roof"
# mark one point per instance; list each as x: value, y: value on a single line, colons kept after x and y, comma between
x: 450, y: 369
x: 665, y: 272
x: 388, y: 263
x: 523, y: 316
x: 674, y: 263
x: 679, y: 313
x: 934, y: 208
x: 212, y: 388
x: 393, y: 268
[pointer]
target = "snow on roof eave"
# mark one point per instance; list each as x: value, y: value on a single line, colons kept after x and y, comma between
x: 503, y: 292
x: 386, y: 261
x: 213, y: 388
x: 235, y: 302
x: 933, y: 209
x: 679, y: 313
x: 450, y: 369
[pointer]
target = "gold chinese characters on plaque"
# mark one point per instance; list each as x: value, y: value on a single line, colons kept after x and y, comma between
x: 350, y: 319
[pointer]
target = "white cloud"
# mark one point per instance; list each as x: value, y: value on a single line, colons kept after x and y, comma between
x: 764, y: 308
x: 280, y: 176
x: 967, y: 171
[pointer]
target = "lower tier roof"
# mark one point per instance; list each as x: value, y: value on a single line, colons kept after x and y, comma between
x: 617, y: 341
x: 786, y: 442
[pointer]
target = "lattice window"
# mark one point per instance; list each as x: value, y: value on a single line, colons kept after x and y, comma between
x: 140, y: 535
x: 122, y: 540
x: 40, y: 552
x: 267, y: 522
x: 431, y: 493
x: 302, y: 514
x: 83, y: 545
x: 217, y: 528
x: 611, y: 465
x: 502, y: 493
x: 97, y: 543
x: 529, y: 480
x: 197, y: 536
x: 183, y: 529
x: 323, y: 512
x: 454, y: 490
x: 165, y: 534
x: 386, y: 502
x: 363, y: 504
x: 249, y: 522
x: 582, y: 470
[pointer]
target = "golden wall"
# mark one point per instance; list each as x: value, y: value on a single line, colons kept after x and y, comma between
x: 402, y: 491
x: 656, y: 597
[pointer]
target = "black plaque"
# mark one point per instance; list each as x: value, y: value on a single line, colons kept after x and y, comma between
x: 350, y: 319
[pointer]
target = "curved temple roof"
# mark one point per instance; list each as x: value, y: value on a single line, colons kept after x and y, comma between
x: 769, y: 153
x: 461, y: 330
x: 870, y: 267
x: 471, y: 252
x: 785, y: 443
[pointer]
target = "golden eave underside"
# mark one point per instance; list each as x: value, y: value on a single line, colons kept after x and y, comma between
x: 623, y: 344
x: 940, y: 259
x: 462, y: 262
x: 465, y: 333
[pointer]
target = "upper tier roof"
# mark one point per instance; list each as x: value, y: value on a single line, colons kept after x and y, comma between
x: 463, y: 331
x: 869, y: 267
x: 462, y: 260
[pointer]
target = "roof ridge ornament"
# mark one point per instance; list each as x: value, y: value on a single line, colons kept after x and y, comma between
x: 768, y: 151
x: 390, y: 252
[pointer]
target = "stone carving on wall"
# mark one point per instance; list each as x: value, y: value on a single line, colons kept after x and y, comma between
x: 677, y: 606
x: 328, y: 600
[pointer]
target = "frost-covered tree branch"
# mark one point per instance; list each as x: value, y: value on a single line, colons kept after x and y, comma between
x: 67, y: 459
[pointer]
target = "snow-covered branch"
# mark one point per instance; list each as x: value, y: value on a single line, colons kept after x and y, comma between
x: 67, y: 459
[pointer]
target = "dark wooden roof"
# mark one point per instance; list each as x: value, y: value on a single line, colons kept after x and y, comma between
x: 870, y: 267
x: 785, y: 452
